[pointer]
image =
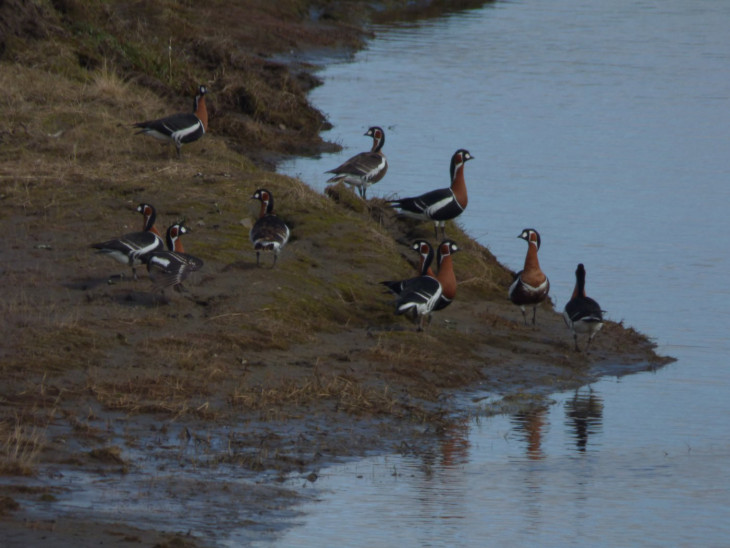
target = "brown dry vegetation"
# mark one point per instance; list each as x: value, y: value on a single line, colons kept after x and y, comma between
x: 313, y: 337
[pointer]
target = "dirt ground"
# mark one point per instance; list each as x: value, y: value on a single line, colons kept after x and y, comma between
x: 254, y: 375
x: 114, y: 379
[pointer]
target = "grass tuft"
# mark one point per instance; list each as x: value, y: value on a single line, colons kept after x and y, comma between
x: 20, y: 447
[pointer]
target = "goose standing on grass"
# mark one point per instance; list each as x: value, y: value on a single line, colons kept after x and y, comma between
x: 582, y: 314
x: 170, y: 268
x: 426, y: 255
x: 530, y: 286
x: 366, y: 168
x: 269, y: 233
x: 132, y: 249
x: 443, y: 204
x: 184, y: 127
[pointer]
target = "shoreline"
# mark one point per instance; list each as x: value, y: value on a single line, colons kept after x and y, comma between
x: 261, y: 373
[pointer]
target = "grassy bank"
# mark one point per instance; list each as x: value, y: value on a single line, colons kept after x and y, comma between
x: 89, y: 367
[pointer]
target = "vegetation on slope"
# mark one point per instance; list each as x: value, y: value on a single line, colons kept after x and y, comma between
x: 316, y: 332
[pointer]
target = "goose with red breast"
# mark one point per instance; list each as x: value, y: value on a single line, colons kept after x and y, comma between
x: 530, y: 286
x: 443, y: 204
x: 180, y: 128
x: 446, y: 275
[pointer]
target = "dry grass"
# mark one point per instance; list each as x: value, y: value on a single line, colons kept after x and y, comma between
x: 20, y: 448
x: 169, y: 47
x: 348, y: 394
x: 167, y: 394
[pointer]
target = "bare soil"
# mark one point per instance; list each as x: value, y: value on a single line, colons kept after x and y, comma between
x: 253, y: 373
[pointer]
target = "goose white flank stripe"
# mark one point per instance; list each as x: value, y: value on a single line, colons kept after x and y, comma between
x: 530, y: 286
x: 269, y: 233
x: 184, y: 127
x: 417, y: 301
x: 170, y: 268
x: 582, y: 314
x: 416, y: 297
x: 443, y: 204
x: 366, y: 168
x: 132, y: 249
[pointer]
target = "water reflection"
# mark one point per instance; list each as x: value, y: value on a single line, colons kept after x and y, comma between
x: 584, y: 415
x: 531, y: 426
x: 583, y: 420
x: 535, y: 80
x: 455, y: 444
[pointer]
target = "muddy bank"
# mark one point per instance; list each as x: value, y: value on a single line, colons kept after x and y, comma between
x: 131, y: 416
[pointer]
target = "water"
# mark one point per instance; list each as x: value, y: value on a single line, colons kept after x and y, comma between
x: 605, y: 126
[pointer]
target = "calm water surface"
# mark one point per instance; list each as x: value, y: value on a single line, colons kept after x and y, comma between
x: 605, y: 125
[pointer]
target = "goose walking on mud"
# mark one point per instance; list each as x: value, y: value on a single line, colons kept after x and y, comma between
x: 172, y: 267
x: 133, y: 248
x: 531, y: 286
x: 582, y: 314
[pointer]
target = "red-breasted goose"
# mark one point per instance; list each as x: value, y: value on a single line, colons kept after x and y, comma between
x: 446, y: 275
x: 443, y: 204
x: 582, y: 314
x: 170, y: 268
x: 183, y: 127
x: 425, y: 258
x: 132, y: 249
x: 530, y: 286
x: 269, y: 233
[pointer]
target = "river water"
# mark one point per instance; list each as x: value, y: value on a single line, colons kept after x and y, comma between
x: 606, y: 126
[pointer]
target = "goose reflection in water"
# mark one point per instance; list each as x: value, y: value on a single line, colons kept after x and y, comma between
x: 584, y: 415
x: 583, y: 419
x: 532, y: 425
x: 455, y: 443
x: 453, y: 448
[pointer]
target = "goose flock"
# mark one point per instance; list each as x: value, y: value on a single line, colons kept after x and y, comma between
x: 416, y: 298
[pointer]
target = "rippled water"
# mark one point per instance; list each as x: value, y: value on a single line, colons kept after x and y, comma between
x: 606, y: 127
